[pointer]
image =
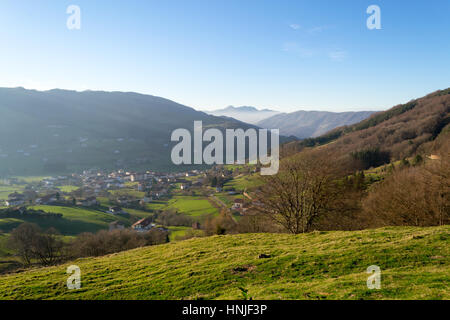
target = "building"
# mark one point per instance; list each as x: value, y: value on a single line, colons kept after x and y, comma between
x: 15, y: 199
x: 48, y: 199
x: 115, y: 210
x: 238, y: 204
x: 184, y: 186
x: 143, y: 225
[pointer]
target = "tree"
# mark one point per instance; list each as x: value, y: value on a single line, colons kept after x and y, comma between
x: 22, y: 240
x: 417, y: 160
x: 299, y: 194
x: 30, y: 243
x: 47, y: 247
x: 214, y: 182
x: 414, y: 196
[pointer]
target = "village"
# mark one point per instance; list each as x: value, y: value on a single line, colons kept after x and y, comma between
x: 136, y: 200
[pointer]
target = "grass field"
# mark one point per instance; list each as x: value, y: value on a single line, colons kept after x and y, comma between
x: 414, y: 264
x: 241, y: 183
x: 68, y: 189
x: 177, y: 232
x: 4, y: 251
x: 128, y: 192
x: 192, y: 206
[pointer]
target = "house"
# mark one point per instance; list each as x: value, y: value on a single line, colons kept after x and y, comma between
x: 48, y: 199
x: 238, y: 204
x: 146, y: 200
x: 197, y: 184
x: 116, y: 225
x: 196, y: 226
x: 143, y: 225
x: 115, y: 210
x: 184, y: 186
x: 15, y: 199
x: 434, y: 157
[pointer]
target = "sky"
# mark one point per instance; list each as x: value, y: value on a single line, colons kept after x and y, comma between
x: 209, y: 54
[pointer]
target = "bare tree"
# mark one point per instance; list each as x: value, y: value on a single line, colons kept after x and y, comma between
x: 30, y: 243
x: 48, y: 247
x: 418, y: 196
x: 22, y: 239
x: 299, y: 194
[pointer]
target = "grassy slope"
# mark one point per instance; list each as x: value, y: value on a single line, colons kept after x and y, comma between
x: 320, y: 265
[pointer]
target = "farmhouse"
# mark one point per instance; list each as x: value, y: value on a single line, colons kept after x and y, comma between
x: 238, y: 204
x: 115, y: 210
x: 15, y: 199
x: 184, y: 187
x: 434, y: 157
x: 143, y: 225
x: 48, y: 199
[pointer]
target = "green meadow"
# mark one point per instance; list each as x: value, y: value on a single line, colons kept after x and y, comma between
x: 244, y: 182
x: 74, y: 220
x: 414, y: 264
x: 193, y: 206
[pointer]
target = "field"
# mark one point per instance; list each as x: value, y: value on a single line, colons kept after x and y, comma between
x: 414, y: 264
x: 192, y: 206
x: 74, y: 220
x: 178, y: 232
x: 243, y: 182
x: 7, y: 190
x: 68, y: 189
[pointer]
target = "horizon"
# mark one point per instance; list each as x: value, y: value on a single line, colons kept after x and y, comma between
x: 226, y: 107
x: 272, y: 56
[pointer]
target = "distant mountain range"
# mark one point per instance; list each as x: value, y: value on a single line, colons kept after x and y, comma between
x: 246, y: 114
x: 65, y: 131
x: 299, y: 124
x: 307, y: 124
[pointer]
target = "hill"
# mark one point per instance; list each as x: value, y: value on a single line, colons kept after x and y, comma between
x: 246, y: 114
x: 60, y: 131
x: 320, y: 265
x: 307, y: 124
x: 402, y: 131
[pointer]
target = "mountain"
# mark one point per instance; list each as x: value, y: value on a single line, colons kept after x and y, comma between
x: 245, y: 114
x: 306, y: 124
x: 317, y: 265
x: 65, y: 131
x: 420, y: 126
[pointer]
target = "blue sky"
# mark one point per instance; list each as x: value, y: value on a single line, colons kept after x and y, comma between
x: 208, y: 54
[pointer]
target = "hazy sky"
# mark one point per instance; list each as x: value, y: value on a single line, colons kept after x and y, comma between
x: 284, y: 55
